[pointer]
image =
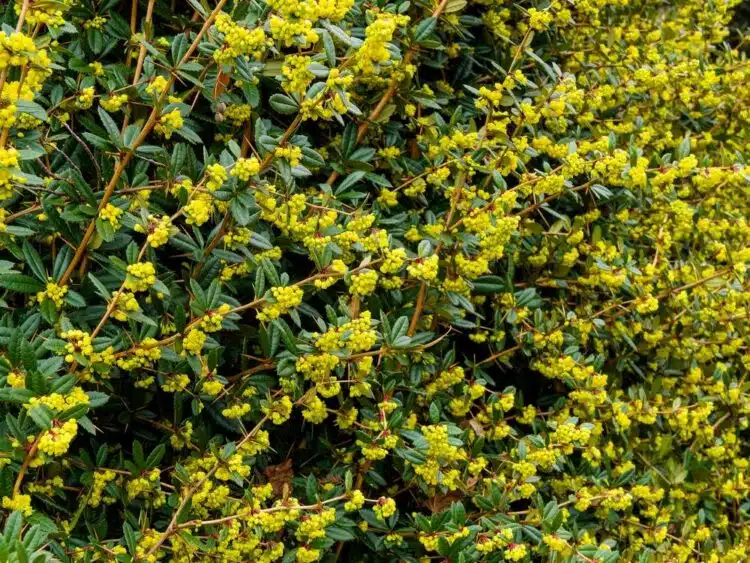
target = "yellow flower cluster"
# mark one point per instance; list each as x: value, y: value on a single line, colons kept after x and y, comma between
x: 292, y: 154
x: 284, y: 299
x: 238, y: 113
x: 16, y: 49
x: 114, y: 102
x: 539, y: 211
x: 126, y: 303
x: 56, y: 441
x: 425, y: 269
x: 169, y: 123
x: 364, y: 283
x: 245, y: 168
x: 384, y: 508
x: 101, y: 479
x: 19, y: 502
x: 279, y: 410
x: 112, y: 215
x: 296, y: 75
x: 175, y: 382
x: 239, y: 41
x: 373, y: 53
x: 53, y: 292
x: 158, y: 86
x: 143, y: 355
x: 238, y: 237
x: 60, y: 402
x: 86, y: 98
x: 194, y: 341
x: 314, y: 410
x: 8, y: 164
x: 140, y: 276
x: 159, y: 230
x: 199, y: 210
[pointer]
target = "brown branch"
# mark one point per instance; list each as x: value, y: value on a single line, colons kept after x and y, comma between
x: 26, y: 461
x: 389, y: 93
x: 120, y: 168
x: 173, y: 526
x: 417, y: 309
x: 142, y: 51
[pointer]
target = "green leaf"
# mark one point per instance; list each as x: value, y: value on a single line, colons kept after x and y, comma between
x: 75, y: 299
x: 156, y: 456
x: 32, y: 108
x: 350, y: 181
x: 283, y: 104
x: 311, y: 157
x: 34, y: 262
x: 112, y: 129
x: 48, y: 310
x: 338, y: 533
x: 28, y: 357
x: 260, y: 241
x: 97, y: 398
x: 42, y: 416
x: 150, y: 149
x: 240, y: 212
x: 434, y: 412
x: 138, y: 454
x: 20, y: 283
x: 13, y: 525
x: 129, y: 536
x: 425, y: 29
x: 189, y: 135
x: 455, y: 6
x: 19, y: 396
x: 329, y: 47
x: 490, y: 284
x: 314, y: 90
x: 97, y: 141
x: 338, y: 33
x: 412, y: 456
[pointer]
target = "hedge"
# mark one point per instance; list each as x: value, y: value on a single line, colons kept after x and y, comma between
x: 384, y: 280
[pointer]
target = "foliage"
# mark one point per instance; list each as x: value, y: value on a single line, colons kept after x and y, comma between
x: 380, y: 281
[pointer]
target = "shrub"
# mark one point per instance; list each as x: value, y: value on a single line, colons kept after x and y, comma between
x: 385, y: 281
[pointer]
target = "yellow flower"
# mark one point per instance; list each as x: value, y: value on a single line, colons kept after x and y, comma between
x: 424, y: 269
x: 356, y: 501
x: 385, y: 508
x: 86, y: 98
x: 194, y: 341
x: 113, y: 103
x: 157, y: 87
x: 169, y: 123
x: 111, y: 214
x: 285, y: 298
x: 292, y: 154
x: 140, y: 276
x: 364, y: 283
x: 56, y: 441
x: 159, y: 230
x: 53, y: 292
x: 238, y: 41
x: 244, y: 168
x: 19, y: 502
x: 199, y: 209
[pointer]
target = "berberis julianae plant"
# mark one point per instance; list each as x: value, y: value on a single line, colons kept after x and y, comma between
x: 389, y: 280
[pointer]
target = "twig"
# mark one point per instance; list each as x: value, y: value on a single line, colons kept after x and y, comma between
x: 120, y: 168
x: 26, y: 461
x: 389, y: 93
x: 88, y: 152
x: 173, y: 526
